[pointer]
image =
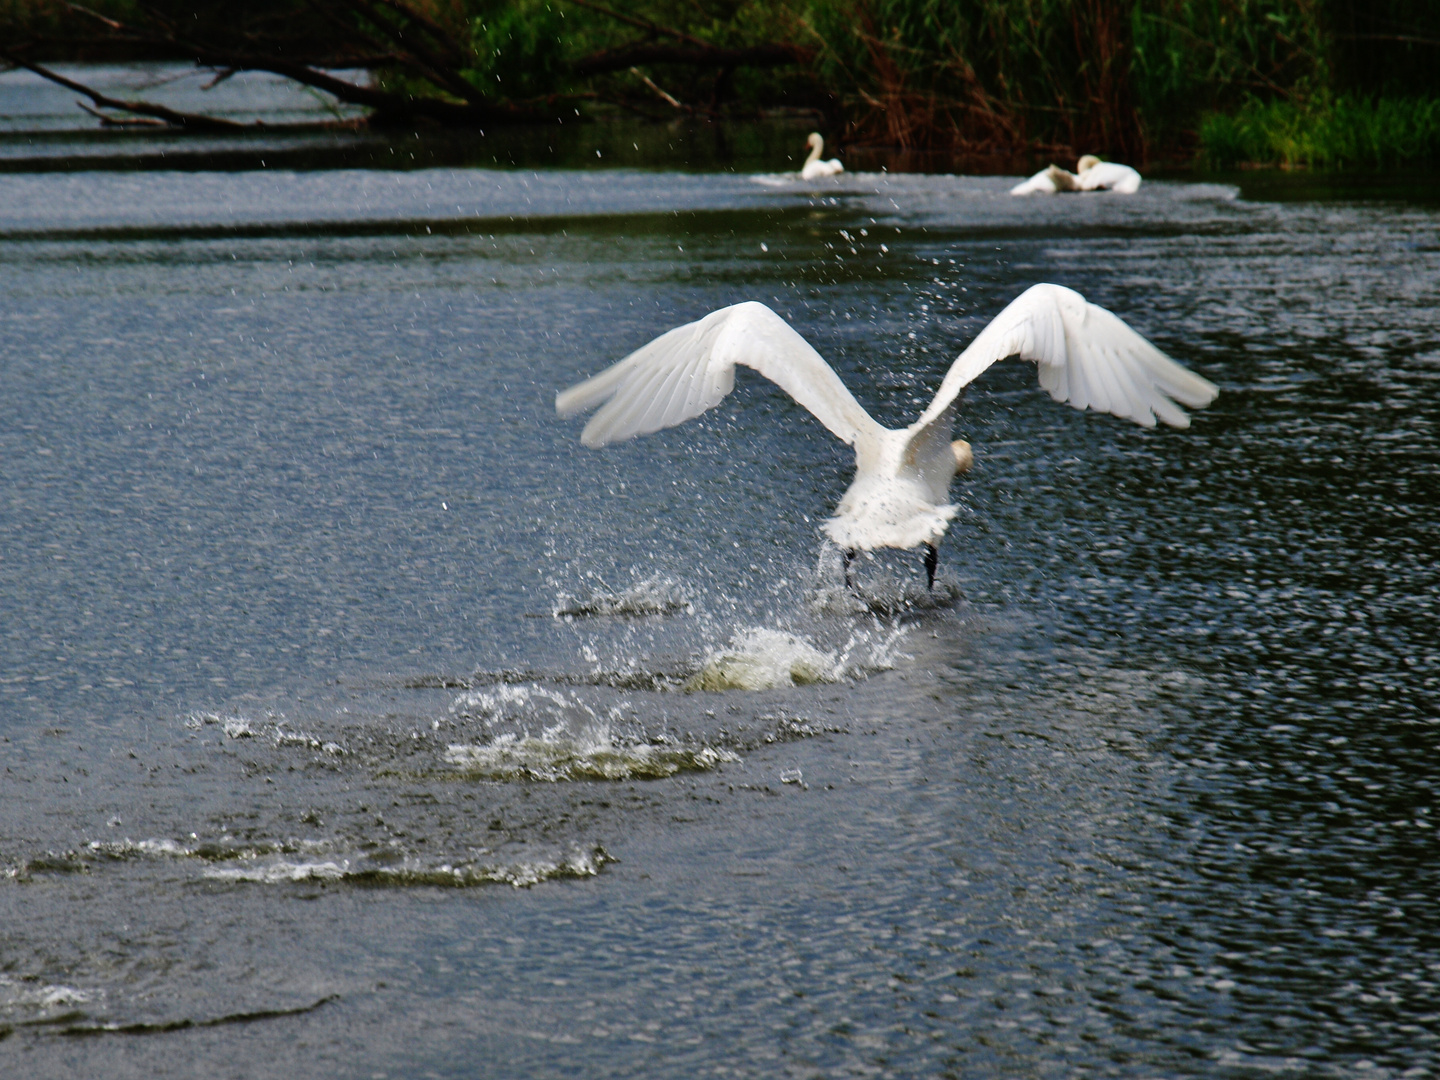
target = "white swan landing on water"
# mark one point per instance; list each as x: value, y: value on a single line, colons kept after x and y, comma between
x: 814, y: 168
x: 899, y: 498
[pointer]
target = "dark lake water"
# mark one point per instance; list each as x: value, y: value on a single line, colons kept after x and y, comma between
x: 356, y: 721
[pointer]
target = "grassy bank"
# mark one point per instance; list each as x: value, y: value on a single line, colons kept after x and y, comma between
x: 1314, y: 83
x: 1324, y: 132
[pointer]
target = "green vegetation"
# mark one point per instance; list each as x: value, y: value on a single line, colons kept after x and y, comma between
x: 1325, y: 132
x: 1317, y: 83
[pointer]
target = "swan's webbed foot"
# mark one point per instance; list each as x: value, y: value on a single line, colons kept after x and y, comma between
x: 932, y: 561
x: 849, y: 557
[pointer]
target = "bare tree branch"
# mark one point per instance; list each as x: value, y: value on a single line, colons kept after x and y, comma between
x: 189, y: 121
x: 474, y: 109
x: 436, y: 69
x: 399, y: 36
x: 668, y: 97
x: 106, y: 120
x: 95, y: 15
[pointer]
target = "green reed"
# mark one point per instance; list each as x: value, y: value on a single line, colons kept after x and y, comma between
x: 1324, y: 132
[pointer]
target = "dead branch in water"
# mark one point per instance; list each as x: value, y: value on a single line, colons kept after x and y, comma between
x: 429, y: 70
x: 159, y: 114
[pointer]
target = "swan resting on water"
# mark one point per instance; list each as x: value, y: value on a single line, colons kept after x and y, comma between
x: 1096, y: 175
x: 1087, y: 357
x: 1091, y: 174
x: 814, y: 168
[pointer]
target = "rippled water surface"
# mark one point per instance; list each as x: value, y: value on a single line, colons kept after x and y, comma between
x: 356, y: 721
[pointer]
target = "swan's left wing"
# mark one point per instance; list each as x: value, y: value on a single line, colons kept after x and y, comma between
x: 1087, y: 357
x: 690, y: 369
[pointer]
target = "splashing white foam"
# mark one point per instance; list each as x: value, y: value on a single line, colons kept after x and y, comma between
x: 762, y: 659
x: 574, y: 741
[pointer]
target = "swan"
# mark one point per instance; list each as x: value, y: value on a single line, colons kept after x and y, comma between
x: 1048, y: 181
x: 1091, y: 174
x: 1087, y: 357
x: 814, y: 168
x: 1097, y: 175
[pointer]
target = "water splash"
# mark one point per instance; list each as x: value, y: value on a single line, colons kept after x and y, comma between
x: 764, y: 659
x: 574, y: 741
x: 880, y: 594
x: 523, y: 706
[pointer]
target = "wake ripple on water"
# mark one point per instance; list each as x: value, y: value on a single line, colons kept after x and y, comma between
x: 653, y: 596
x: 36, y: 996
x: 365, y: 871
x: 593, y: 754
x: 299, y: 861
x: 242, y: 727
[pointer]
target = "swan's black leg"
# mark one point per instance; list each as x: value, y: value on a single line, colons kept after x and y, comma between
x: 849, y: 559
x: 932, y: 560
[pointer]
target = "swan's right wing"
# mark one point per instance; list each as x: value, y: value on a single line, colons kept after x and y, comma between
x: 682, y: 373
x: 1087, y: 358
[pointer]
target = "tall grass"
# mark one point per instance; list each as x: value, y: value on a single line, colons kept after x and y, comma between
x: 1325, y: 132
x: 1194, y: 57
x: 1128, y: 78
x: 972, y: 74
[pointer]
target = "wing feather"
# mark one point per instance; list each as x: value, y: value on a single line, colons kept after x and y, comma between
x: 668, y: 396
x: 1130, y: 379
x: 626, y: 412
x: 690, y: 369
x: 1088, y: 357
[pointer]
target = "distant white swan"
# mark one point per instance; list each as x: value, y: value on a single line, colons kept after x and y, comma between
x: 899, y: 498
x: 1097, y: 175
x: 1091, y: 174
x: 814, y: 168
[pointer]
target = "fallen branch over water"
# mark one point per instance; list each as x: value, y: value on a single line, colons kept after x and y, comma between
x: 160, y: 114
x: 428, y: 72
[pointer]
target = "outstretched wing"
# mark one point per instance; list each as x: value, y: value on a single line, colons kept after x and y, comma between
x: 690, y: 369
x: 1087, y: 357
